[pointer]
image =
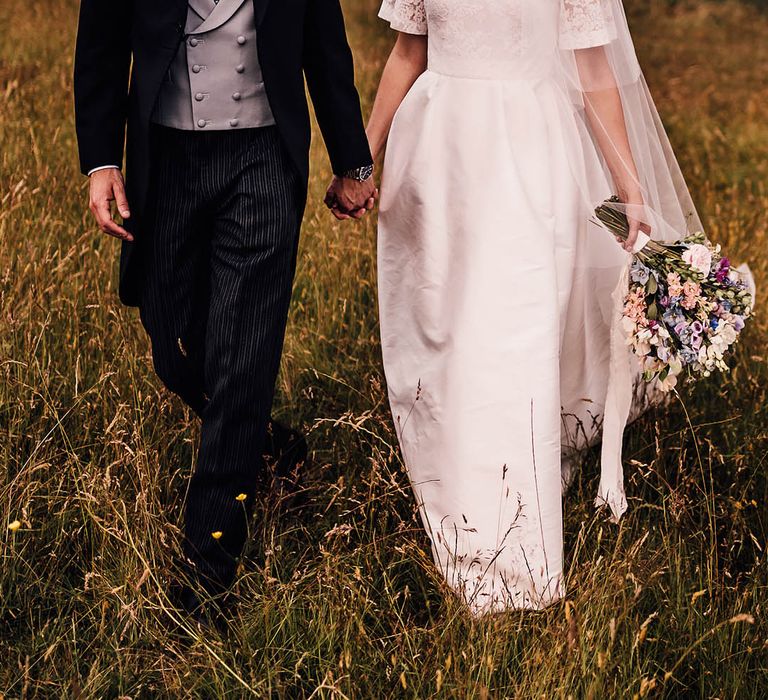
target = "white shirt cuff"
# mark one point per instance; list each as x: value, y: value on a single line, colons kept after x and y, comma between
x: 102, y: 167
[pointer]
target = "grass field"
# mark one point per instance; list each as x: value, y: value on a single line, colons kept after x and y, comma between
x: 339, y: 598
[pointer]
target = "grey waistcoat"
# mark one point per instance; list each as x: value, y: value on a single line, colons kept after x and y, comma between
x: 215, y: 80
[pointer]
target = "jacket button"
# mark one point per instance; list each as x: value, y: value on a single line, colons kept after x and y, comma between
x: 201, y: 123
x: 199, y: 96
x: 233, y: 122
x: 241, y: 40
x: 195, y: 68
x: 193, y: 42
x: 240, y: 68
x: 236, y: 96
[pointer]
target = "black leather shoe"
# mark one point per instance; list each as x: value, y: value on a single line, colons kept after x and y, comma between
x: 285, y: 455
x: 207, y: 616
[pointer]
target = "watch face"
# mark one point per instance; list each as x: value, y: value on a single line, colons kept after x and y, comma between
x: 360, y: 174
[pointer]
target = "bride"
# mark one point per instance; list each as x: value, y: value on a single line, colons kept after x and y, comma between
x: 507, y: 122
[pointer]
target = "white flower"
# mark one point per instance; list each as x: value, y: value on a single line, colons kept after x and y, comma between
x: 715, y: 351
x: 669, y: 383
x: 628, y: 325
x: 728, y: 334
x: 699, y: 257
x: 642, y: 347
x: 645, y: 334
x: 654, y: 364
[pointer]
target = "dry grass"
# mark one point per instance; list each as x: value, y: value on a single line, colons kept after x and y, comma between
x: 339, y: 598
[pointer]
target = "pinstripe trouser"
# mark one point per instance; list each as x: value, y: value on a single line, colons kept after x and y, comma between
x: 219, y: 256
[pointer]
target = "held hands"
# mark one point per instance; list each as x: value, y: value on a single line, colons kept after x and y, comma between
x: 350, y: 199
x: 107, y: 186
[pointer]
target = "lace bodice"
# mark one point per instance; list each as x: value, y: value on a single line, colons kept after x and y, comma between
x: 501, y: 38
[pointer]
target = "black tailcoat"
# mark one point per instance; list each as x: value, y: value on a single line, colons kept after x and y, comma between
x: 124, y: 48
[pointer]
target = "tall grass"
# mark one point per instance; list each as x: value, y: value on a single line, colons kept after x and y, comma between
x: 338, y: 597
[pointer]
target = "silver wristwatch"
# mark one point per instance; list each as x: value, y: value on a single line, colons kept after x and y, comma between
x: 359, y: 174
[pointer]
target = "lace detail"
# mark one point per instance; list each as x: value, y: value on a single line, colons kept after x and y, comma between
x: 408, y: 16
x: 586, y: 23
x: 463, y: 28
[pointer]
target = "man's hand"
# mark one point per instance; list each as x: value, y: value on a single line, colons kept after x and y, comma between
x: 107, y: 186
x: 348, y: 198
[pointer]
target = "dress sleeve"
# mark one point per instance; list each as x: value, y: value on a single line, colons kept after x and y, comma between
x: 586, y: 23
x: 407, y: 16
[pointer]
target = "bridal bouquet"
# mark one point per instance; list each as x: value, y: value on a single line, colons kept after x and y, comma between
x: 685, y: 306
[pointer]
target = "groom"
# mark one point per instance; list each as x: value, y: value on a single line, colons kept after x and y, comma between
x: 216, y: 164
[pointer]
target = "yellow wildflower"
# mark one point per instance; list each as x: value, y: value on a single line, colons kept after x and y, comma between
x: 216, y: 534
x: 241, y: 496
x: 15, y: 525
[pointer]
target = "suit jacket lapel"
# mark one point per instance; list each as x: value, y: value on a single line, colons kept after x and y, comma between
x: 203, y: 8
x: 220, y: 15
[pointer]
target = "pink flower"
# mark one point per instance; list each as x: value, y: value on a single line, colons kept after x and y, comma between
x: 699, y: 257
x: 675, y: 288
x: 691, y: 292
x: 635, y: 306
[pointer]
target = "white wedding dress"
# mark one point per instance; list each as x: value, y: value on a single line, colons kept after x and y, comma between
x: 498, y: 298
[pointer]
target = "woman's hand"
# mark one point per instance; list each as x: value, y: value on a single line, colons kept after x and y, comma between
x: 635, y: 208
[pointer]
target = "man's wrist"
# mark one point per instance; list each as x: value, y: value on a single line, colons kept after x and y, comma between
x: 360, y: 174
x: 102, y: 167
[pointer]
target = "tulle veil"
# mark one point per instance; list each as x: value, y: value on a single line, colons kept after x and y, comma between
x: 596, y: 53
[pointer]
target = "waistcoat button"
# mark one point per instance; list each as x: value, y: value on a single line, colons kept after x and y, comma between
x: 195, y: 68
x: 233, y: 122
x: 199, y: 96
x: 201, y: 123
x: 240, y: 68
x: 241, y: 40
x: 236, y: 96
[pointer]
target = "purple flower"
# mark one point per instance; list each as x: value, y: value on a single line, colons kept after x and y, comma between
x: 664, y: 301
x: 672, y: 317
x: 639, y: 273
x: 688, y: 356
x: 684, y: 332
x: 722, y: 270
